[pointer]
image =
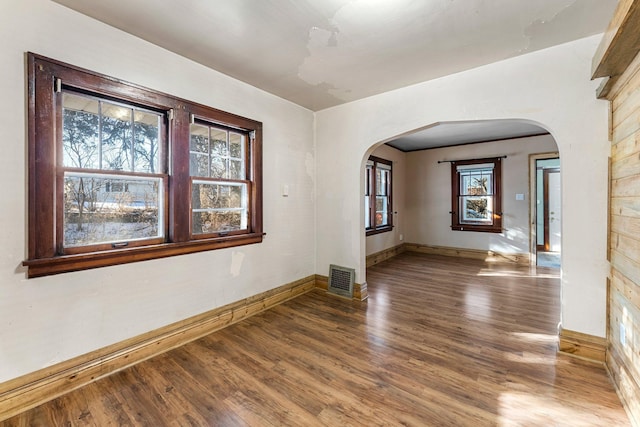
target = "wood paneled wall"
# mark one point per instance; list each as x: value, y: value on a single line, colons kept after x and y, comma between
x: 619, y: 58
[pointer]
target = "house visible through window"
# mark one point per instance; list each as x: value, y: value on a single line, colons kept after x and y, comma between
x: 119, y: 173
x: 377, y: 199
x: 476, y: 199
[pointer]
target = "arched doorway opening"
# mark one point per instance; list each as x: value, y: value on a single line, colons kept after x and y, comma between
x: 421, y: 191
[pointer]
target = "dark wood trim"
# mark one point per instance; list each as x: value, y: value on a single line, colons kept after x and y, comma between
x: 370, y: 182
x: 33, y: 389
x: 379, y: 230
x: 75, y: 262
x: 496, y: 227
x: 46, y: 253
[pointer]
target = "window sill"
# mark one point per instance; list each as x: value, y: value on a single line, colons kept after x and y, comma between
x: 478, y: 228
x: 379, y: 230
x: 67, y: 263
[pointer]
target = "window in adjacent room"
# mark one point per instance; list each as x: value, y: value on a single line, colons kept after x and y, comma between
x: 377, y: 199
x: 476, y: 199
x: 120, y: 173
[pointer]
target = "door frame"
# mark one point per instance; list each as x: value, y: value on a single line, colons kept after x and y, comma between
x: 545, y: 196
x: 533, y: 238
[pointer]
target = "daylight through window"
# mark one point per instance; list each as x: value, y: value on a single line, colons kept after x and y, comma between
x: 476, y: 196
x: 377, y: 196
x: 120, y: 173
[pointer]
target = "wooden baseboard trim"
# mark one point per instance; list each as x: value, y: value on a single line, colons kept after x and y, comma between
x: 23, y: 393
x: 488, y: 256
x: 627, y: 387
x: 584, y: 346
x: 360, y: 292
x: 384, y: 255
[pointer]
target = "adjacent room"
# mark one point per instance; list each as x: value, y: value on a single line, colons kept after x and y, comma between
x: 349, y: 212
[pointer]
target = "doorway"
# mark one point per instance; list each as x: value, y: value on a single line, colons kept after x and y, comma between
x: 548, y: 211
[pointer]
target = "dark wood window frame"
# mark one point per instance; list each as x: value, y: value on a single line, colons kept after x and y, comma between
x: 496, y: 193
x: 371, y: 192
x: 46, y: 255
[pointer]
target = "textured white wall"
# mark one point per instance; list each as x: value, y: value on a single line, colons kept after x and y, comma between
x: 429, y: 190
x: 47, y: 320
x: 551, y: 87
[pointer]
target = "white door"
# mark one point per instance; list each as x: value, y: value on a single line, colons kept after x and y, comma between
x: 554, y: 210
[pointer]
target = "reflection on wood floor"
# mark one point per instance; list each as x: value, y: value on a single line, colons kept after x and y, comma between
x: 441, y: 342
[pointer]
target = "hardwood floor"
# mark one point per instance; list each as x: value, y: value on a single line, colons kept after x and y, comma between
x: 441, y: 342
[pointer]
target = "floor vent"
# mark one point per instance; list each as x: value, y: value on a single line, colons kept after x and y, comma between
x: 341, y: 280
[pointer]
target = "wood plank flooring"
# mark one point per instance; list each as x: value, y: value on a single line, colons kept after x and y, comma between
x: 441, y: 342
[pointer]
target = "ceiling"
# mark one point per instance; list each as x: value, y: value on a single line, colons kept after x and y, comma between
x: 445, y: 134
x: 323, y: 53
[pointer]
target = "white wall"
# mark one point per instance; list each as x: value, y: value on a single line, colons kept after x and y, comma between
x: 429, y: 187
x: 47, y: 320
x: 381, y: 241
x: 551, y: 87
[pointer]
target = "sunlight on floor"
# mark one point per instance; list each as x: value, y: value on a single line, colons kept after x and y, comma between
x: 530, y: 358
x: 539, y: 338
x: 525, y: 409
x: 523, y: 273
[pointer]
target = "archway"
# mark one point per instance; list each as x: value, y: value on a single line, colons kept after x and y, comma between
x: 422, y: 189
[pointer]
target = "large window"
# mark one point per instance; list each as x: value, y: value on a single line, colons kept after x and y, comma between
x: 476, y: 199
x: 378, y: 216
x: 120, y: 173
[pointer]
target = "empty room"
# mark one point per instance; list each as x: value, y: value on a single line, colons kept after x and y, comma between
x: 349, y: 212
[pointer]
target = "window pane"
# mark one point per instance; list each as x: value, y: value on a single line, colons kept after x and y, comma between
x: 382, y: 206
x: 225, y: 150
x: 218, y: 207
x: 80, y: 132
x: 146, y: 144
x: 236, y: 145
x: 367, y: 212
x: 236, y: 170
x: 218, y: 221
x: 219, y: 167
x: 217, y: 196
x: 199, y: 138
x: 116, y: 137
x: 476, y: 183
x: 199, y: 165
x: 382, y: 180
x: 105, y: 209
x: 477, y: 209
x: 219, y: 142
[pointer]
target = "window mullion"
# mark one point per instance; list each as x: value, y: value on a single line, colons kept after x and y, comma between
x: 180, y: 180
